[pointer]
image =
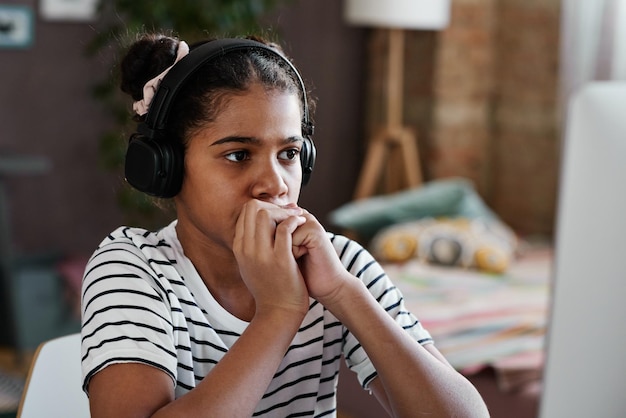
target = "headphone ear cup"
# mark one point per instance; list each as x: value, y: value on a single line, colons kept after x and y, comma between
x: 307, y: 159
x: 153, y: 166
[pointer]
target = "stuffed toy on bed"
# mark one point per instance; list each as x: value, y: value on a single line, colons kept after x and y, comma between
x: 485, y: 244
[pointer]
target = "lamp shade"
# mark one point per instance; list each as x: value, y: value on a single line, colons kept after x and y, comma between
x: 404, y: 14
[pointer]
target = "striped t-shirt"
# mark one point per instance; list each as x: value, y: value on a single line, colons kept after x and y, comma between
x: 143, y: 301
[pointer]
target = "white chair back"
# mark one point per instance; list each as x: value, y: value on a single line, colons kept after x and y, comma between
x: 54, y: 385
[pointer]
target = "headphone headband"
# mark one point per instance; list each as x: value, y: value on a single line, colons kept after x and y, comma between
x: 169, y: 87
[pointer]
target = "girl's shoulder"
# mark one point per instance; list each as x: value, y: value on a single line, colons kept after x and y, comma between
x: 140, y: 237
x: 138, y: 243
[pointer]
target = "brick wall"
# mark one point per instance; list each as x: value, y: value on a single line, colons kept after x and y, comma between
x: 482, y: 97
x: 526, y: 140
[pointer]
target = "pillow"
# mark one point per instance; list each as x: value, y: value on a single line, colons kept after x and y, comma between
x: 450, y: 197
x: 488, y: 246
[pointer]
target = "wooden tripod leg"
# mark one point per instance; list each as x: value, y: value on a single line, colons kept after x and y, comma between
x: 412, y: 165
x: 372, y: 167
x: 393, y: 135
x: 379, y: 152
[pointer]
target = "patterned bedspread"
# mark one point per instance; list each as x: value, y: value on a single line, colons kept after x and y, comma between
x: 482, y: 320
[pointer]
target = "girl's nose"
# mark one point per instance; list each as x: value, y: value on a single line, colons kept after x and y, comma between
x: 268, y: 181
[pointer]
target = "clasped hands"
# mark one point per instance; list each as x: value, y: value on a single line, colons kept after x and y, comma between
x: 285, y: 255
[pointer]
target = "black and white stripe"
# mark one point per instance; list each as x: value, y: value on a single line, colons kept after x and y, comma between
x: 144, y: 302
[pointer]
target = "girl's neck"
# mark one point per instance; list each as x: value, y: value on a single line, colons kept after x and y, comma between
x: 219, y: 271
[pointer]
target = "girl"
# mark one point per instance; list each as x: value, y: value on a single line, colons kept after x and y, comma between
x: 244, y: 305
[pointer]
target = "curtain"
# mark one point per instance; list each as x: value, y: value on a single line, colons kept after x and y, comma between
x: 593, y: 43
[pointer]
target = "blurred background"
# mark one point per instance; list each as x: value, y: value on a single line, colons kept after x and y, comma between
x: 484, y: 96
x: 481, y: 94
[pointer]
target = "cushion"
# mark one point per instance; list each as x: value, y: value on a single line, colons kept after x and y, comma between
x: 450, y: 197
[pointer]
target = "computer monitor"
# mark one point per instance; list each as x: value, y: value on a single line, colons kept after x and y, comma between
x: 585, y: 373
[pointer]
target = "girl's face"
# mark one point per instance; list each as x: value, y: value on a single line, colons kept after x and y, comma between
x: 250, y: 151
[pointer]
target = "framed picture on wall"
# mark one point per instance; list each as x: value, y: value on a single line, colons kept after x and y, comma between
x: 16, y: 26
x: 68, y: 10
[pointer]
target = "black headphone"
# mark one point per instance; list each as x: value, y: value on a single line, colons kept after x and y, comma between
x: 154, y: 164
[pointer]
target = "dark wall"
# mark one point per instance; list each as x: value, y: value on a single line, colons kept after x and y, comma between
x: 331, y: 57
x: 46, y: 111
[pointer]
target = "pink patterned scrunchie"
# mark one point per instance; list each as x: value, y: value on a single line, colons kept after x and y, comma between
x: 141, y: 107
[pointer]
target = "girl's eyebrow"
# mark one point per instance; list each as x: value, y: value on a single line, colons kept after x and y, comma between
x: 252, y: 140
x: 236, y: 139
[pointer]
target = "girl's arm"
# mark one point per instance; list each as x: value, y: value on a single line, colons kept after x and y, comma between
x: 413, y: 380
x: 234, y: 387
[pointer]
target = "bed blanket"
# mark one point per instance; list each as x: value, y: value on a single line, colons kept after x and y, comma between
x: 483, y: 320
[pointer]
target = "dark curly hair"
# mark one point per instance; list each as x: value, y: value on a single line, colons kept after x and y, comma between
x: 202, y: 96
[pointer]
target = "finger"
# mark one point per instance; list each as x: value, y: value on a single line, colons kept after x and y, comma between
x: 256, y: 225
x: 255, y: 229
x: 280, y: 212
x: 304, y: 233
x: 284, y: 233
x: 239, y: 231
x: 264, y: 230
x: 283, y: 236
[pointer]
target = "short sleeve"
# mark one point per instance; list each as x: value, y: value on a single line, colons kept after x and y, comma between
x: 126, y: 315
x: 361, y: 264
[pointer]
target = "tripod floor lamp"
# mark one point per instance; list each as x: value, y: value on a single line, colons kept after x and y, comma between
x: 396, y: 16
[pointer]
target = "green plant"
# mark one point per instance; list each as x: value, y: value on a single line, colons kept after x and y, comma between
x: 191, y: 20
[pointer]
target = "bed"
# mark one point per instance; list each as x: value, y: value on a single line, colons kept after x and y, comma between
x: 491, y: 327
x: 480, y: 319
x: 489, y: 321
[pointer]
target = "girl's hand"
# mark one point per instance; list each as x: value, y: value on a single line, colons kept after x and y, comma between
x: 263, y: 250
x: 323, y: 272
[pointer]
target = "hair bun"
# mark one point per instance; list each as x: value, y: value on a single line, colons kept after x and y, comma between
x: 145, y: 59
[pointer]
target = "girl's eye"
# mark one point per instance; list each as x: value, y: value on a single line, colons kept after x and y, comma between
x: 237, y: 156
x: 289, y: 154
